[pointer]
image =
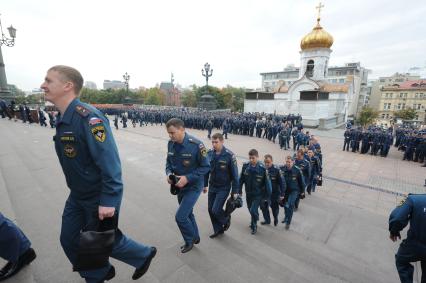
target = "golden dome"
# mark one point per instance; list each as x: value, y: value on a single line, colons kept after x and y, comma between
x: 317, y: 38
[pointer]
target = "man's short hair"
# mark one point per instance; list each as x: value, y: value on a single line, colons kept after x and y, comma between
x: 217, y: 136
x: 69, y: 74
x: 268, y: 156
x: 175, y: 122
x: 253, y: 152
x: 289, y: 157
x: 300, y: 151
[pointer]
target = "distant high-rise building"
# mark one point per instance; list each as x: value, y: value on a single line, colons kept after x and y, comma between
x: 114, y: 84
x: 90, y: 85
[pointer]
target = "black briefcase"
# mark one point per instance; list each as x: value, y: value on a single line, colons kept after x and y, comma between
x: 95, y: 244
x: 319, y: 180
x: 232, y: 204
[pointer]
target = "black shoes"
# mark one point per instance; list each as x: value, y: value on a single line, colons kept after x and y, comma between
x: 275, y: 222
x: 265, y: 223
x: 287, y: 226
x: 253, y: 229
x: 215, y: 234
x: 186, y: 248
x: 195, y: 242
x: 139, y: 272
x: 228, y: 224
x: 109, y: 275
x: 11, y: 268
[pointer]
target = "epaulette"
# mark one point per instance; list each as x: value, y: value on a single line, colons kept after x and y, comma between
x: 261, y: 164
x: 83, y: 111
x: 191, y: 140
x: 228, y: 151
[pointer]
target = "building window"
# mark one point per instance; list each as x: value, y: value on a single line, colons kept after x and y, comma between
x: 310, y: 68
x: 383, y: 116
x: 401, y: 95
x: 403, y: 105
x: 399, y: 106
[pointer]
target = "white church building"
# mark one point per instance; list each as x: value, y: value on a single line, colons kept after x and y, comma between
x: 320, y: 102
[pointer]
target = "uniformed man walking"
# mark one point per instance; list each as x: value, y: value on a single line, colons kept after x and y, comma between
x: 412, y: 210
x: 255, y: 177
x: 187, y: 160
x: 222, y: 176
x: 295, y: 184
x: 89, y: 158
x: 15, y: 248
x: 278, y: 190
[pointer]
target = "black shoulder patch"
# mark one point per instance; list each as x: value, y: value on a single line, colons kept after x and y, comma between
x: 83, y: 111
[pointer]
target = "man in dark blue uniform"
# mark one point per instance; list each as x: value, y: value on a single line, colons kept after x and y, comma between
x: 278, y: 190
x: 15, y: 248
x: 89, y: 158
x: 209, y: 127
x: 257, y: 185
x: 295, y: 184
x: 223, y: 174
x: 316, y: 170
x: 187, y: 159
x: 3, y: 109
x: 305, y: 166
x: 411, y: 210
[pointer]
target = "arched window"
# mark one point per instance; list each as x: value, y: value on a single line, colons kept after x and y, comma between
x: 310, y: 68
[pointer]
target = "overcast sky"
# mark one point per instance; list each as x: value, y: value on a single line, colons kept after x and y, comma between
x: 239, y: 38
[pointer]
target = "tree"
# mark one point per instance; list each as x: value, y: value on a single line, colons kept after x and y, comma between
x: 189, y: 99
x: 367, y: 116
x: 406, y: 114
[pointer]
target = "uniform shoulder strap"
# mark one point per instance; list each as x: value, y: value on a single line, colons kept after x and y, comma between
x: 82, y: 110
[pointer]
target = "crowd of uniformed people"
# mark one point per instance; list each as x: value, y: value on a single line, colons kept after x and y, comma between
x: 83, y: 136
x: 377, y: 141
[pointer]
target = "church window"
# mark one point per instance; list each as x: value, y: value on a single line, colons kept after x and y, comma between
x: 310, y: 68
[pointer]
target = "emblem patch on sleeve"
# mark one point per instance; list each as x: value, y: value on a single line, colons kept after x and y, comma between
x: 70, y: 151
x: 99, y: 133
x: 203, y: 150
x: 401, y: 203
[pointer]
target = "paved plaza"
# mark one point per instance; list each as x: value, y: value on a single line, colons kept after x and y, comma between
x: 339, y: 234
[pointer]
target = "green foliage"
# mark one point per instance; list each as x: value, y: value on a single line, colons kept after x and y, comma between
x: 226, y: 98
x: 367, y: 116
x: 406, y: 114
x: 189, y: 99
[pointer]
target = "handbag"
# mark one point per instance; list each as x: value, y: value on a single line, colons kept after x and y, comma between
x: 319, y: 180
x: 96, y: 242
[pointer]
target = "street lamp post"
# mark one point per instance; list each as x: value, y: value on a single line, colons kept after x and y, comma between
x: 126, y: 78
x: 207, y: 73
x: 9, y: 42
x: 207, y: 101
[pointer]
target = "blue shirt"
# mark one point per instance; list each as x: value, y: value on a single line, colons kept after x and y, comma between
x: 294, y: 179
x: 223, y: 170
x: 256, y: 180
x: 277, y: 181
x: 188, y: 159
x: 412, y: 210
x: 88, y: 154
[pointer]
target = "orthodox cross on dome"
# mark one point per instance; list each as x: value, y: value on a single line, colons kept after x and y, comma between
x: 319, y: 11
